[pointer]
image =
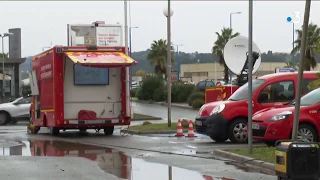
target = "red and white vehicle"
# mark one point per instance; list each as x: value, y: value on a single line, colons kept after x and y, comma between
x: 80, y: 87
x: 109, y: 160
x: 227, y: 119
x: 274, y: 124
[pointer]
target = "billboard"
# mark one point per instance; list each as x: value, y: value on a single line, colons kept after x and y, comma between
x: 15, y: 43
x: 95, y: 34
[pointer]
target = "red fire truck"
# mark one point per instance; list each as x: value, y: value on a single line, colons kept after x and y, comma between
x: 80, y: 87
x: 109, y: 160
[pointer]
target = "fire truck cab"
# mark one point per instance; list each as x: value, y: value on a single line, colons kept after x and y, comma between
x: 80, y: 87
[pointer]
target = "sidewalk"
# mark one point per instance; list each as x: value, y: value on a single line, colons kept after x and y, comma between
x: 178, y: 105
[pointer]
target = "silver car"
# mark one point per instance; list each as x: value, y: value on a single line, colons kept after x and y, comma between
x: 15, y: 110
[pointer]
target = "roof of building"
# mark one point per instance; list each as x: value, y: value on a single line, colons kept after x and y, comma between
x: 14, y: 60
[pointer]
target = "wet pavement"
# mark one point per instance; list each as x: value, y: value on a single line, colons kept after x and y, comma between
x: 123, y: 156
x: 109, y: 160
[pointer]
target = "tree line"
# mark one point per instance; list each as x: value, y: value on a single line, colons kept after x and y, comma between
x: 154, y: 59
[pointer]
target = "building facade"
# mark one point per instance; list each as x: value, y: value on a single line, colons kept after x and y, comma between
x: 202, y: 71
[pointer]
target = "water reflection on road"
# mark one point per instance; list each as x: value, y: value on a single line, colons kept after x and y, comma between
x: 108, y: 159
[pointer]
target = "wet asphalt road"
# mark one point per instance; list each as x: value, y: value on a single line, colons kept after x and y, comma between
x: 116, y: 157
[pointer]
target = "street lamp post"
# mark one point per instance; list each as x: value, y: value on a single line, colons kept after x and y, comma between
x: 3, y: 74
x: 127, y: 76
x: 301, y: 68
x: 130, y: 51
x: 250, y: 68
x: 230, y: 73
x: 293, y: 66
x: 168, y: 12
x: 177, y: 60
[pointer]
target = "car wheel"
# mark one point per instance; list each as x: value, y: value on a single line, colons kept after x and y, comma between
x: 4, y: 118
x: 54, y: 131
x: 238, y: 131
x: 108, y: 130
x: 307, y: 133
x: 218, y: 139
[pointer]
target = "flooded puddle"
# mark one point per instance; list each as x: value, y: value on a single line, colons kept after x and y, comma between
x: 109, y: 160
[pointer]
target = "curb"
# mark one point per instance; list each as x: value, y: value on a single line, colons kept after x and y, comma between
x: 164, y: 104
x: 245, y: 160
x: 147, y: 119
x: 150, y: 132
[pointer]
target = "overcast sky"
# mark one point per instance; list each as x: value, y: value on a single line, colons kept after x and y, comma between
x: 194, y: 23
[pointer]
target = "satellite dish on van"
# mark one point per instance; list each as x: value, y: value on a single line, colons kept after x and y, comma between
x: 235, y: 55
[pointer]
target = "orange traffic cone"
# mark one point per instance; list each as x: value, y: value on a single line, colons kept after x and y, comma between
x: 190, y: 130
x: 179, y: 129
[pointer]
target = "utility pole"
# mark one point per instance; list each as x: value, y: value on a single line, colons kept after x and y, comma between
x: 301, y: 68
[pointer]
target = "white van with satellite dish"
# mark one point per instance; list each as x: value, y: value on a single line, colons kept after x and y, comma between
x: 222, y: 120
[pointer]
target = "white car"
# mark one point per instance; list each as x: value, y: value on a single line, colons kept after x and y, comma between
x: 15, y: 110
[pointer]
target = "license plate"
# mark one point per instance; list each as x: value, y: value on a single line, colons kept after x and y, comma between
x: 255, y: 126
x: 199, y: 123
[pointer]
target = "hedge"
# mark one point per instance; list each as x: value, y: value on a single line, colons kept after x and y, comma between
x: 154, y: 88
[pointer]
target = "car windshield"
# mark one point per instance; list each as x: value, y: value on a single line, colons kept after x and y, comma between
x: 311, y: 98
x: 242, y: 92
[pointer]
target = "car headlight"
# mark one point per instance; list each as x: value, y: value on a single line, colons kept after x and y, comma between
x: 281, y: 116
x: 201, y: 109
x: 218, y: 109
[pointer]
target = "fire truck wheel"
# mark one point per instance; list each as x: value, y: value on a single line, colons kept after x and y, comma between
x: 82, y: 130
x: 108, y: 130
x: 54, y: 131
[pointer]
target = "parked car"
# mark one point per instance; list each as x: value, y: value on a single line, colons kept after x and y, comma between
x: 274, y: 124
x: 203, y: 84
x: 224, y: 120
x: 15, y: 110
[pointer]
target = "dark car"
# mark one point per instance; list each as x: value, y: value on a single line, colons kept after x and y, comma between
x: 203, y: 84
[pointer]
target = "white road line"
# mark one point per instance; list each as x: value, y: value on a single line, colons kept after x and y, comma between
x: 192, y: 147
x: 172, y: 142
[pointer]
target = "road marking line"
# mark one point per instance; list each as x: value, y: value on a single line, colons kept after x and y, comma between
x: 192, y: 147
x: 172, y: 142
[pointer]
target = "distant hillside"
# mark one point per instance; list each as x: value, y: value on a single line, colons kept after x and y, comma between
x: 26, y: 66
x: 187, y: 58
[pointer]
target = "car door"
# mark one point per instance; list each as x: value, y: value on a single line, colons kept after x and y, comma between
x: 22, y: 108
x: 273, y: 94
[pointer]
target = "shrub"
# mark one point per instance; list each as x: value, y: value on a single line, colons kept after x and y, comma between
x: 180, y: 92
x: 133, y: 92
x: 197, y: 103
x: 196, y: 95
x: 139, y: 94
x: 158, y: 95
x: 149, y: 85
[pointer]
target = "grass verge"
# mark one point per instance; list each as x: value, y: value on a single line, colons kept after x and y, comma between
x: 142, y: 117
x: 261, y: 153
x: 154, y: 127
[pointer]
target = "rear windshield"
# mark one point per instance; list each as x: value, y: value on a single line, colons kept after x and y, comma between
x: 311, y: 98
x: 242, y: 92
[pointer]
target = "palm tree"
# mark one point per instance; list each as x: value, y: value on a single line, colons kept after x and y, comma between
x: 218, y: 46
x: 289, y: 65
x: 313, y: 39
x: 158, y: 56
x: 5, y: 55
